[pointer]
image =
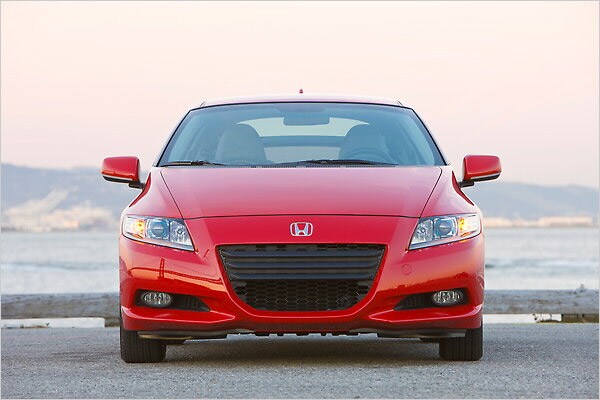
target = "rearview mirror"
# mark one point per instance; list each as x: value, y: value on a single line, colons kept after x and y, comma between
x: 480, y: 168
x: 122, y: 170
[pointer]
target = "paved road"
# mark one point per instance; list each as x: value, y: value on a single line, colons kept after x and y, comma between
x: 532, y: 361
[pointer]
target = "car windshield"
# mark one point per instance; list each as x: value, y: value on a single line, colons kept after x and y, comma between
x: 301, y: 133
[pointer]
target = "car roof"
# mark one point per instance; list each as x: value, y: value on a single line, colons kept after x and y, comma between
x: 300, y: 97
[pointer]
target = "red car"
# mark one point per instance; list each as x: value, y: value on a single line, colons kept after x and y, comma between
x: 296, y: 215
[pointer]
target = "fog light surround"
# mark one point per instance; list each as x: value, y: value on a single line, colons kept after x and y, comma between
x: 445, y: 298
x: 156, y: 299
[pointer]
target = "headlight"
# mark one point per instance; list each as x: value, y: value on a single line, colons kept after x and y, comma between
x: 444, y: 229
x: 162, y: 231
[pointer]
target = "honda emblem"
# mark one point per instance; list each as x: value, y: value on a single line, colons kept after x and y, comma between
x: 301, y: 229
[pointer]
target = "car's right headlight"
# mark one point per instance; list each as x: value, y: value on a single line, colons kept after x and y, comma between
x: 432, y: 231
x: 168, y: 232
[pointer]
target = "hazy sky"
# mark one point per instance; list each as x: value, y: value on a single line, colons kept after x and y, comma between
x: 85, y: 80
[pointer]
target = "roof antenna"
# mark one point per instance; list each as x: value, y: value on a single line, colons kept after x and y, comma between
x: 301, y: 91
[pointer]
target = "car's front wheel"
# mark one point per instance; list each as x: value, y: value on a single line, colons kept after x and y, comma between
x: 467, y: 348
x: 137, y: 350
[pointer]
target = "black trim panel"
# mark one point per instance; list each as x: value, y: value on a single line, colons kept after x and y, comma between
x: 307, y: 277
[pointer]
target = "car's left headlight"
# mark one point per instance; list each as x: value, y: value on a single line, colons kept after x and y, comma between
x: 432, y: 231
x: 168, y: 232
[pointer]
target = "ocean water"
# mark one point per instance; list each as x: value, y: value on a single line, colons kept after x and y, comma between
x: 516, y: 258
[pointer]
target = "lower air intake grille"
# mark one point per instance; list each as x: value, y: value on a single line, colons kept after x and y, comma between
x: 313, y: 277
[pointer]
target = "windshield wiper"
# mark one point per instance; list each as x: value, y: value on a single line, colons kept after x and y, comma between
x: 194, y: 162
x: 329, y: 161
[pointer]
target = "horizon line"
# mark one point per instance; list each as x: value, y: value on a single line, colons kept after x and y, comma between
x: 2, y: 164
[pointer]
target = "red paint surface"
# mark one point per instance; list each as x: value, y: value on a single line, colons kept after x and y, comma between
x: 364, y: 205
x: 212, y: 192
x: 127, y: 168
x: 322, y: 201
x: 480, y: 166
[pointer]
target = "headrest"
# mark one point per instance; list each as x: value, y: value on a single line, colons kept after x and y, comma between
x: 362, y: 137
x: 240, y: 143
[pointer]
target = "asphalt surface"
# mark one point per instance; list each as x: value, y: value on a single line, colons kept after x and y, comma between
x: 526, y: 360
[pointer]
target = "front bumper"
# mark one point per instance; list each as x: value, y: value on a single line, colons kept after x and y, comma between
x: 401, y: 273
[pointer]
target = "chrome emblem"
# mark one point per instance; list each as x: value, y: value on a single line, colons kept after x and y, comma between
x: 301, y: 229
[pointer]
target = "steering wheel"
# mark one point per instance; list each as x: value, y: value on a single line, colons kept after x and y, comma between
x: 372, y: 154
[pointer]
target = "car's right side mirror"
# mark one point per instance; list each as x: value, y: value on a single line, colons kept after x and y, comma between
x: 122, y: 170
x: 480, y: 168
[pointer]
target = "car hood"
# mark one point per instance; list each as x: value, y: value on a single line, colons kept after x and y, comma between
x: 218, y: 192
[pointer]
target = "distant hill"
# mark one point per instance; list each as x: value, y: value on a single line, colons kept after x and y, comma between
x: 75, y: 197
x: 526, y: 201
x: 83, y: 186
x: 35, y: 199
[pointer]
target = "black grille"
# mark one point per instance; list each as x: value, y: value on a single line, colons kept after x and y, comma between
x: 414, y: 301
x: 185, y: 302
x: 314, y: 277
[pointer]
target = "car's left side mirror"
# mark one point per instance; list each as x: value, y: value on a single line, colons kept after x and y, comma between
x: 122, y: 170
x: 480, y: 168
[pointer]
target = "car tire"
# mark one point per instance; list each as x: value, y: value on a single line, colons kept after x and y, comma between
x: 137, y: 350
x: 467, y: 348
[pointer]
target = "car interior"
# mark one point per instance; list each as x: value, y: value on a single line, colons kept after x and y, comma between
x: 273, y: 138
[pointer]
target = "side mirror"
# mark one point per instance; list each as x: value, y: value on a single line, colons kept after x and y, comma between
x: 480, y: 168
x: 122, y: 170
